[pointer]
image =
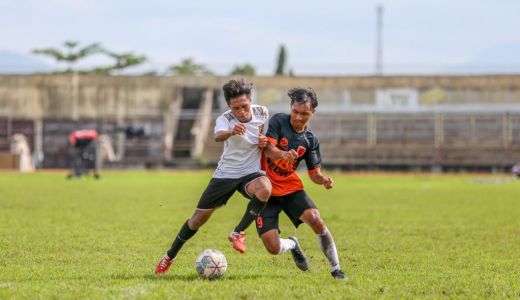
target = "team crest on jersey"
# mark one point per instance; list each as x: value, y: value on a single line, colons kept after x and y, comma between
x: 284, y: 142
x: 261, y: 129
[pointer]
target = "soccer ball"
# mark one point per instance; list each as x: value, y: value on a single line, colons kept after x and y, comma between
x: 211, y: 264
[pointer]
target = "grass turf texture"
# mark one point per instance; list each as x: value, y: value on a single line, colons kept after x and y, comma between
x: 398, y: 237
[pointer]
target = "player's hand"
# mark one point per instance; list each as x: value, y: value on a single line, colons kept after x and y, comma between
x: 239, y: 129
x: 290, y: 155
x: 328, y: 183
x: 262, y: 141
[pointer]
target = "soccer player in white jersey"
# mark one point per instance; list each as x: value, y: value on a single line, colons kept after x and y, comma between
x: 242, y: 129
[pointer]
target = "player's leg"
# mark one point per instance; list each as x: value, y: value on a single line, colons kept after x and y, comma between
x: 267, y: 227
x: 217, y: 194
x: 311, y: 217
x: 258, y: 189
x: 276, y: 245
x: 84, y: 161
x: 77, y: 161
x: 187, y: 231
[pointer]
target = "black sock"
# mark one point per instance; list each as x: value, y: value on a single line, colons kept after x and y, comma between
x: 254, y: 209
x: 184, y: 234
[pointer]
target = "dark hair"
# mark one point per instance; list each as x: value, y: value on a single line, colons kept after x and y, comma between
x: 302, y: 96
x: 235, y: 88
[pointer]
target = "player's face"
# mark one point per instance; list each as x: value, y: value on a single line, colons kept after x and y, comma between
x: 301, y: 113
x: 241, y: 108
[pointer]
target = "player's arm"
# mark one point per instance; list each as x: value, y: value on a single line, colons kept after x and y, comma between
x: 318, y: 178
x: 313, y: 161
x: 223, y: 135
x: 262, y: 132
x: 262, y: 141
x: 274, y: 153
x: 273, y: 133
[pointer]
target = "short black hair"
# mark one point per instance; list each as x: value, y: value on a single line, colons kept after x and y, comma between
x: 235, y: 88
x: 302, y: 95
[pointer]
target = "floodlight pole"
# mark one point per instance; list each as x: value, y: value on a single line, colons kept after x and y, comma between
x: 379, y: 41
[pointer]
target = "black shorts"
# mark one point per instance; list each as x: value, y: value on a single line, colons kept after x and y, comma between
x: 219, y: 190
x: 293, y: 205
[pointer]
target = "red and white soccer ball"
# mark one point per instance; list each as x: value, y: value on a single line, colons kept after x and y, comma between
x: 211, y: 264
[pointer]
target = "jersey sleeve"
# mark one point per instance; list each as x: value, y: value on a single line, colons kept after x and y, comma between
x: 266, y: 124
x: 313, y: 158
x: 221, y: 124
x: 274, y: 130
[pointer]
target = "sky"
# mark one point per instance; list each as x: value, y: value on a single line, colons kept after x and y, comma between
x: 326, y: 37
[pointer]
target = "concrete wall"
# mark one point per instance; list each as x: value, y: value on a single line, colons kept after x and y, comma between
x: 55, y: 96
x: 372, y: 117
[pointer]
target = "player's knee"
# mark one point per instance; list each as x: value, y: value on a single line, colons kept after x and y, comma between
x: 271, y: 243
x: 314, y: 220
x: 195, y: 223
x: 273, y: 248
x: 197, y: 220
x: 263, y: 190
x: 263, y: 194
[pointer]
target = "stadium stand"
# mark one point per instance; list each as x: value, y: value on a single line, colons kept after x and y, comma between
x: 394, y: 122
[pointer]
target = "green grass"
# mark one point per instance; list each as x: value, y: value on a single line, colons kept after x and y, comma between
x: 398, y: 236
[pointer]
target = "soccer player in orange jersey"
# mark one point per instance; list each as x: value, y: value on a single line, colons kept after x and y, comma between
x: 290, y: 142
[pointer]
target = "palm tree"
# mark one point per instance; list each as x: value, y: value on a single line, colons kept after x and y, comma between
x: 189, y: 67
x: 70, y: 55
x: 123, y: 61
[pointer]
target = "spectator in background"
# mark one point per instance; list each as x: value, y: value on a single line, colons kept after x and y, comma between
x: 20, y: 146
x: 516, y: 169
x: 84, y: 153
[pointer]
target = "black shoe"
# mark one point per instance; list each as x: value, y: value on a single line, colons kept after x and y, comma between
x: 338, y: 274
x: 299, y: 257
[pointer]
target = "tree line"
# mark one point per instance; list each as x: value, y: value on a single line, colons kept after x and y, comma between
x: 71, y: 53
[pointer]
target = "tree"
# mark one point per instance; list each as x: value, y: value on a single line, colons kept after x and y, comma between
x: 125, y: 60
x: 70, y: 55
x: 122, y: 61
x: 189, y: 67
x: 247, y: 70
x: 282, y: 61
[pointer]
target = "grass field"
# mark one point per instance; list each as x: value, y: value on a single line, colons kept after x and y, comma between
x: 398, y: 236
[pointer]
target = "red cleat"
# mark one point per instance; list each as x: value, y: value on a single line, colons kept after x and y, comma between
x: 238, y: 240
x: 164, y: 265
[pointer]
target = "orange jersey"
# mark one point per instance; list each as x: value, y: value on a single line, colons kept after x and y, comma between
x: 281, y: 173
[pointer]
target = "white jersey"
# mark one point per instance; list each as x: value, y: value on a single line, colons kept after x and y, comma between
x: 241, y: 155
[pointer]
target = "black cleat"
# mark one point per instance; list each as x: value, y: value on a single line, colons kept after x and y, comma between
x: 299, y: 257
x: 338, y: 274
